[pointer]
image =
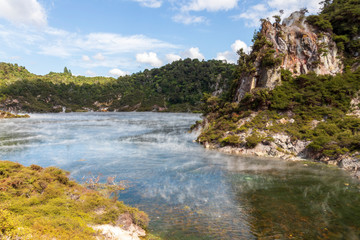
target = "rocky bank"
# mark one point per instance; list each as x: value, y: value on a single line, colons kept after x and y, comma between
x: 300, y: 48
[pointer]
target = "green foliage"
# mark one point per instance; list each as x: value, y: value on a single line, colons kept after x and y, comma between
x: 42, y: 203
x: 344, y: 16
x: 232, y: 140
x: 269, y: 60
x: 308, y: 97
x: 319, y: 22
x: 277, y: 19
x: 178, y: 86
x: 341, y: 41
x: 336, y: 137
x: 253, y: 140
x: 67, y: 71
x: 300, y: 102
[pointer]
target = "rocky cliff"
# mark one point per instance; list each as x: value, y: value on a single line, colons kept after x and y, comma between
x: 294, y: 45
x: 292, y: 99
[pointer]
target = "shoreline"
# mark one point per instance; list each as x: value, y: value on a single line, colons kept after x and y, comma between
x: 346, y: 163
x: 42, y: 206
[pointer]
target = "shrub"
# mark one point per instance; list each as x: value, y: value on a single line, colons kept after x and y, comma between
x: 319, y: 22
x: 38, y: 203
x: 253, y: 140
x: 233, y: 140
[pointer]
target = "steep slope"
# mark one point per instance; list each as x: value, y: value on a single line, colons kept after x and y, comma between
x: 294, y: 98
x: 294, y: 45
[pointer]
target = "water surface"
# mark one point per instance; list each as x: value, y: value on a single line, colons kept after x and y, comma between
x: 188, y: 191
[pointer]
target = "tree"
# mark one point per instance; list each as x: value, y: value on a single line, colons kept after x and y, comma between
x: 67, y: 71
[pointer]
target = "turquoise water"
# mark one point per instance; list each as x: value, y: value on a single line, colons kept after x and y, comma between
x: 189, y: 192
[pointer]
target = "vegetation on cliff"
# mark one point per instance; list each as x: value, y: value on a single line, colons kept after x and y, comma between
x: 42, y: 203
x: 341, y: 17
x: 304, y: 99
x: 316, y: 109
x: 178, y: 86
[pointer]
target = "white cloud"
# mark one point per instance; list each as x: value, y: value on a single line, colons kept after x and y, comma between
x: 313, y: 6
x: 79, y: 49
x: 86, y: 58
x: 193, y: 53
x: 185, y: 8
x: 172, y: 57
x: 115, y: 43
x: 238, y: 44
x: 210, y: 5
x: 99, y: 57
x: 272, y: 7
x: 187, y: 19
x: 228, y: 56
x: 23, y: 12
x: 150, y: 3
x: 231, y: 56
x: 149, y: 58
x: 117, y: 72
x: 69, y: 44
x: 55, y: 51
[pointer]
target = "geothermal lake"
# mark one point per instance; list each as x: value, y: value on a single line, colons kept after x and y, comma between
x: 189, y: 192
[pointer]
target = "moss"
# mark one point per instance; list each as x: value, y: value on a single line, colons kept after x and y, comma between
x: 42, y: 203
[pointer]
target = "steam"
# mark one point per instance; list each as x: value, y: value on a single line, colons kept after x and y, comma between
x: 171, y: 177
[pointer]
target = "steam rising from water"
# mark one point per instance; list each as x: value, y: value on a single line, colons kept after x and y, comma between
x: 189, y: 192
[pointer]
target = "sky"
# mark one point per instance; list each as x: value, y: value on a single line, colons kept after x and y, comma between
x: 119, y: 37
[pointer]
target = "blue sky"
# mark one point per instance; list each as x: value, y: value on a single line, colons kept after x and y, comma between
x: 117, y: 37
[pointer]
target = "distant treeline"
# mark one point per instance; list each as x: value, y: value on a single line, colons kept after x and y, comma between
x: 178, y: 86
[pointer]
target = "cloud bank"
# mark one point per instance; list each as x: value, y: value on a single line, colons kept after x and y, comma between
x: 269, y: 8
x: 23, y: 12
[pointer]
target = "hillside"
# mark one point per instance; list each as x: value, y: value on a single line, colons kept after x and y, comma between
x: 177, y: 87
x: 297, y: 93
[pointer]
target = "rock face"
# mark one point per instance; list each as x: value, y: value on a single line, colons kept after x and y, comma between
x: 299, y: 47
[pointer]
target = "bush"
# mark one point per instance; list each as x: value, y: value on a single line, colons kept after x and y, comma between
x: 253, y: 140
x: 40, y: 203
x: 233, y: 140
x: 269, y: 60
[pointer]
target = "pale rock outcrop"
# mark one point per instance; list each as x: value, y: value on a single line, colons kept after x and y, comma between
x: 301, y: 48
x: 124, y: 229
x: 355, y: 106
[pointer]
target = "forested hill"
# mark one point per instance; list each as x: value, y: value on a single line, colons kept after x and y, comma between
x: 177, y: 87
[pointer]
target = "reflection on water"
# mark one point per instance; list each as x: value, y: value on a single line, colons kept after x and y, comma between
x: 188, y: 191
